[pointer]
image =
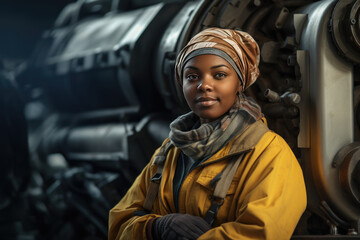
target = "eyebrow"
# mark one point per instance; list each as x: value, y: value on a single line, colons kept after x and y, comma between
x: 217, y: 66
x: 213, y: 67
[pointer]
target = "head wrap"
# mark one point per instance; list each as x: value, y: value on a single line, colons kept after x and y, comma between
x: 237, y: 47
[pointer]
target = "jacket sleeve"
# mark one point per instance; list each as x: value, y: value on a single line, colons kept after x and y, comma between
x: 124, y: 220
x: 271, y: 199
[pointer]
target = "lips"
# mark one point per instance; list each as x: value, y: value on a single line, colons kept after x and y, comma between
x: 206, y: 101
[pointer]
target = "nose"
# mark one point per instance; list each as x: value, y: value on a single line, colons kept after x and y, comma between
x: 206, y: 84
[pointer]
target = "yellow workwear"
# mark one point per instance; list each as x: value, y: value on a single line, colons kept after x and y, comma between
x: 265, y: 200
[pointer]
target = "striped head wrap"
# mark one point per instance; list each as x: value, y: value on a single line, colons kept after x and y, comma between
x: 236, y: 47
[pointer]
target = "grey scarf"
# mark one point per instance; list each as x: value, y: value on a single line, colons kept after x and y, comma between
x: 206, y: 140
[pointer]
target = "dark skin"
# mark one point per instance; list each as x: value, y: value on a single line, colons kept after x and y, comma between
x: 210, y: 86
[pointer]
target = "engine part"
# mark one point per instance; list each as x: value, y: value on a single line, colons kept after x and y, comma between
x: 117, y: 68
x: 103, y: 62
x: 331, y: 99
x: 123, y: 146
x: 347, y: 161
x: 15, y: 162
x: 345, y: 29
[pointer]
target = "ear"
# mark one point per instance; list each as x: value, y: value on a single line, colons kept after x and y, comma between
x: 240, y: 88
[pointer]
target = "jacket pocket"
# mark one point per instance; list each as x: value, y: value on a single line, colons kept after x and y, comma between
x: 224, y: 214
x: 205, y: 181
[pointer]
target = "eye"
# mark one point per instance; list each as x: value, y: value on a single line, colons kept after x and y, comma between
x: 191, y: 77
x: 220, y: 75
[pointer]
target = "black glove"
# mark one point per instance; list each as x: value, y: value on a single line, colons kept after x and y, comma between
x: 176, y: 226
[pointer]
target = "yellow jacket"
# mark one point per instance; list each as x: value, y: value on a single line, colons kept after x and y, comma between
x: 265, y: 200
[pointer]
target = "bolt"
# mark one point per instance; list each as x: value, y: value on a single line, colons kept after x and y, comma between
x: 353, y: 21
x: 333, y: 230
x: 351, y: 231
x: 257, y: 3
x: 294, y: 98
x: 291, y: 60
x: 272, y: 95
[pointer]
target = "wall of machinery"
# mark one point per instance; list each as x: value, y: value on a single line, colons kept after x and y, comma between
x: 94, y: 101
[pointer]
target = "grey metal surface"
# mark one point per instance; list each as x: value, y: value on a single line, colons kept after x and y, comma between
x: 166, y: 54
x: 304, y: 133
x: 331, y: 106
x: 303, y: 61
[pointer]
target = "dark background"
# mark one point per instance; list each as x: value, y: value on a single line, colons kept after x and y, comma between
x: 21, y: 24
x: 23, y: 21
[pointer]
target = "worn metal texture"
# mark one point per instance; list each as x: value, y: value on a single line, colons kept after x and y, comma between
x: 100, y: 94
x: 331, y: 106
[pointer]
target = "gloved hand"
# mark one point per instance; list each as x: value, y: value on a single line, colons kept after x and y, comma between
x: 176, y: 226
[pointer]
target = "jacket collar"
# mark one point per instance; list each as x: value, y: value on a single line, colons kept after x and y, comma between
x: 243, y: 142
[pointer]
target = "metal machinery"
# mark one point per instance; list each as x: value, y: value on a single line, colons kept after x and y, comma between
x: 100, y: 94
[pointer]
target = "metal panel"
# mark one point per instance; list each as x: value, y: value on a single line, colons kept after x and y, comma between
x: 331, y: 106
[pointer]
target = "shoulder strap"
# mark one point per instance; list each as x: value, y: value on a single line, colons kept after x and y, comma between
x: 223, y: 184
x: 221, y: 188
x: 153, y: 189
x: 223, y: 180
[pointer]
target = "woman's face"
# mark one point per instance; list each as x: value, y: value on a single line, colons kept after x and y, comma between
x: 210, y: 86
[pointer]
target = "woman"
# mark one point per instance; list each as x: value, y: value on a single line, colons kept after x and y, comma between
x: 265, y: 196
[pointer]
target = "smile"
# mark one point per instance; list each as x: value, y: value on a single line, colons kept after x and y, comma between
x: 206, y: 101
